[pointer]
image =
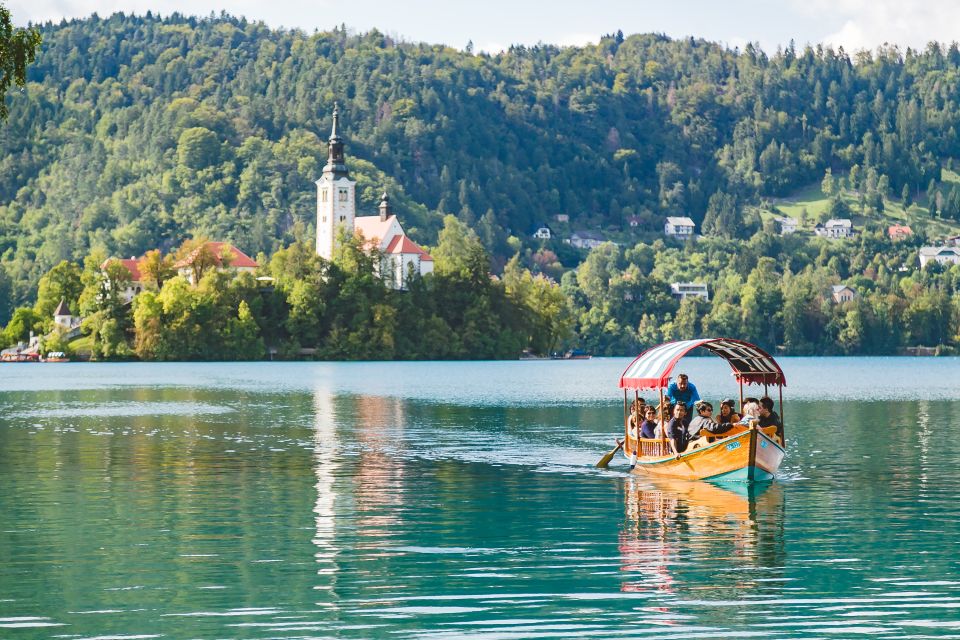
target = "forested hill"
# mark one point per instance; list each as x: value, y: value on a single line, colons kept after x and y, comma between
x: 137, y: 131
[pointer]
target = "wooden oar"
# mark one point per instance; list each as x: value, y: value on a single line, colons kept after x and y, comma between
x: 605, y: 460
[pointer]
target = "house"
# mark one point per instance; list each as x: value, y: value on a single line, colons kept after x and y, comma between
x: 585, y: 240
x: 684, y: 290
x: 943, y: 255
x: 223, y: 255
x: 401, y: 257
x: 634, y: 221
x: 843, y: 293
x: 63, y: 318
x: 562, y: 217
x: 541, y: 232
x: 787, y: 225
x: 839, y: 228
x: 679, y: 227
x: 953, y: 241
x: 135, y: 285
x: 899, y: 231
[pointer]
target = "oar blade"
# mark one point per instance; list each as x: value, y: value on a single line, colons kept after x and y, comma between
x: 605, y: 460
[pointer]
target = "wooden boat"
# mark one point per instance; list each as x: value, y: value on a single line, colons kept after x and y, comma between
x: 746, y: 452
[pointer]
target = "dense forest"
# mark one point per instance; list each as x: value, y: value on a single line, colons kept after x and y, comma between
x: 136, y: 132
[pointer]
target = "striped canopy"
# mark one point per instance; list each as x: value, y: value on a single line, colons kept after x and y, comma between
x: 750, y: 363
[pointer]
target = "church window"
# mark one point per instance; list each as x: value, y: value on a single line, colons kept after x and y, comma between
x: 343, y: 195
x: 323, y: 195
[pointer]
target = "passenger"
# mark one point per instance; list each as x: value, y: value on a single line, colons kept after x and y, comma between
x: 769, y: 417
x: 727, y: 414
x: 704, y: 421
x: 666, y: 414
x: 636, y: 415
x: 649, y: 428
x: 751, y: 412
x: 683, y: 391
x: 677, y: 429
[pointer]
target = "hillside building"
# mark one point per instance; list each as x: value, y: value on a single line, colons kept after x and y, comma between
x: 839, y: 228
x: 679, y: 227
x: 684, y: 290
x: 337, y: 209
x: 842, y: 293
x: 943, y: 255
x: 899, y: 231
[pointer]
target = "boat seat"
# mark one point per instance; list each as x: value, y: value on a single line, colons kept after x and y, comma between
x: 771, y: 432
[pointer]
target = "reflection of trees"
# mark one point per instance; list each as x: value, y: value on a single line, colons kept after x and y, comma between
x: 673, y: 525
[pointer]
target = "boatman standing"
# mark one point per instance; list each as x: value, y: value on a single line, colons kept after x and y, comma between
x: 683, y: 392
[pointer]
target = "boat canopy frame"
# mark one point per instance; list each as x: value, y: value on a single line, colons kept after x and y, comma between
x: 750, y: 364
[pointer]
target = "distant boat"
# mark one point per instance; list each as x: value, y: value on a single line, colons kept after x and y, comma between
x: 746, y: 452
x: 530, y: 355
x: 13, y: 356
x: 56, y: 356
x: 573, y: 354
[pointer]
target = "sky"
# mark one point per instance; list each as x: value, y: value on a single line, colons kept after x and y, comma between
x: 493, y: 25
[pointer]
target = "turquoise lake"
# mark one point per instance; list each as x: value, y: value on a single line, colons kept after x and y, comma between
x: 459, y: 500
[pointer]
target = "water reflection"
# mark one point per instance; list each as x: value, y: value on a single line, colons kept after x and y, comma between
x: 673, y: 526
x: 326, y: 450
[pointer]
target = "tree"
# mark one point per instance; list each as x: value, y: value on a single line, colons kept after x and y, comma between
x: 24, y: 321
x: 63, y: 282
x: 198, y: 255
x: 18, y: 48
x: 156, y: 267
x: 828, y: 185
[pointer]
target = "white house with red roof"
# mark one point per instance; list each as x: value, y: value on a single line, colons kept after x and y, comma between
x: 337, y: 208
x: 135, y: 285
x: 237, y: 261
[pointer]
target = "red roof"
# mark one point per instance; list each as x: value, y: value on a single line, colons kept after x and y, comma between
x: 240, y: 259
x: 403, y: 244
x: 372, y: 228
x: 130, y: 263
x: 899, y: 230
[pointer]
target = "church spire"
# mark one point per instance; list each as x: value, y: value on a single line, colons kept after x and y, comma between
x: 335, y: 156
x: 385, y: 211
x: 336, y: 122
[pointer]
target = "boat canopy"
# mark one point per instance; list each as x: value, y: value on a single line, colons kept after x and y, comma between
x: 750, y: 364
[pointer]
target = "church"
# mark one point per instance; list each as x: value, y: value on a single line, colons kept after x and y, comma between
x: 337, y: 207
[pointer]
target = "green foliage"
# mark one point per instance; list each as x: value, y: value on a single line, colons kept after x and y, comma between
x: 156, y: 129
x: 24, y: 321
x: 18, y: 48
x: 63, y: 282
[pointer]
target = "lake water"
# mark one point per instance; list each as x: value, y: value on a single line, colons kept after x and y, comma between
x: 451, y: 500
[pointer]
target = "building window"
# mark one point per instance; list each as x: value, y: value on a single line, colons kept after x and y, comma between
x: 343, y: 195
x: 324, y: 218
x: 323, y: 195
x: 342, y: 218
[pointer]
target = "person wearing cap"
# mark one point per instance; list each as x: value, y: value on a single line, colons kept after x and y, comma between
x: 683, y: 391
x: 704, y: 421
x: 727, y: 413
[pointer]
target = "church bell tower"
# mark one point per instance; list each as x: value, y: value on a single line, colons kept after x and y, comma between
x: 336, y: 194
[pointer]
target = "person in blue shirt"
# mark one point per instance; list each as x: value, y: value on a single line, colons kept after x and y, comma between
x: 683, y: 392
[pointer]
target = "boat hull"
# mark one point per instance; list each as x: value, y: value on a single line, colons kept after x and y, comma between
x: 748, y: 456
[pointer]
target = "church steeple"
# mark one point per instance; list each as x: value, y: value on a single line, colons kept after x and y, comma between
x: 385, y: 211
x: 336, y: 163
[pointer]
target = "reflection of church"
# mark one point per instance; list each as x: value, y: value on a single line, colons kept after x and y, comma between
x: 336, y: 209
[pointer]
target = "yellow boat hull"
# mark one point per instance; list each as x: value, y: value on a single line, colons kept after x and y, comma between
x: 749, y: 455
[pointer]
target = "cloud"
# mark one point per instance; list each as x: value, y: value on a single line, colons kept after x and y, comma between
x: 866, y: 24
